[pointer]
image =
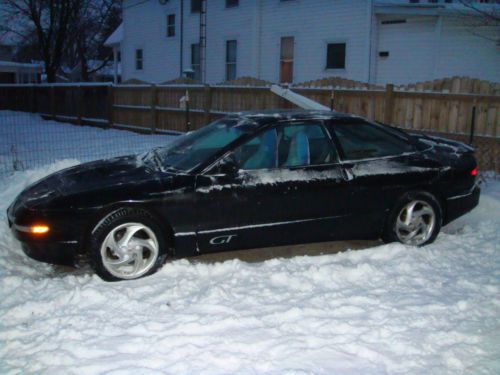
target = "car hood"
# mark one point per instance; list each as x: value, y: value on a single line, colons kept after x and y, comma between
x: 89, y: 177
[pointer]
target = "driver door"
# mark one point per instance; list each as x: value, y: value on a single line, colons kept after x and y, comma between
x: 289, y: 188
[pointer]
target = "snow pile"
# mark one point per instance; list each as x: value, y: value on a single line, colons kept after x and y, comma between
x: 389, y: 309
x: 28, y: 141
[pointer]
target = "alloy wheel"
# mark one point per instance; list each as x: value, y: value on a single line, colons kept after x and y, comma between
x: 415, y: 223
x: 129, y: 251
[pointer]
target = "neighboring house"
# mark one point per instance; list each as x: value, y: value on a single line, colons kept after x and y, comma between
x: 14, y: 72
x: 114, y: 41
x: 11, y: 71
x: 104, y: 73
x: 297, y: 40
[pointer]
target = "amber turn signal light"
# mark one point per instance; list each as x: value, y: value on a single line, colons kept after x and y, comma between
x: 39, y: 229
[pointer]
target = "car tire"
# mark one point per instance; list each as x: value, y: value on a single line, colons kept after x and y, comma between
x: 415, y: 220
x: 127, y: 244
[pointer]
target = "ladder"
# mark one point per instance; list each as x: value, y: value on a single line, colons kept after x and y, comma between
x: 203, y: 40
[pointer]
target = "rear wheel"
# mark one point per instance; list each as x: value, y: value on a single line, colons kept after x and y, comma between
x: 127, y: 244
x: 415, y: 220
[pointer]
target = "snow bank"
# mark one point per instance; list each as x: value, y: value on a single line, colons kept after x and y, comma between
x: 390, y: 309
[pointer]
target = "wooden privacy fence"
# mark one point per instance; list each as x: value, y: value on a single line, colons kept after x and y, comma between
x: 156, y: 108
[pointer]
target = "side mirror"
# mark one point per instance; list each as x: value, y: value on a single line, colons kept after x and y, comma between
x: 228, y: 166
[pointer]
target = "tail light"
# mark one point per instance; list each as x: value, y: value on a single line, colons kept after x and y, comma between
x: 473, y: 172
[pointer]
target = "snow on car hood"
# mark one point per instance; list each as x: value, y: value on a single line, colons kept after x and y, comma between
x: 97, y: 175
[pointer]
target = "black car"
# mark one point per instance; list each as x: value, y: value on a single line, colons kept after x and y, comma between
x: 248, y: 180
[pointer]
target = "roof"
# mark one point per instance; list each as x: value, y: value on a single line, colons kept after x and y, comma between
x: 16, y: 66
x: 116, y: 37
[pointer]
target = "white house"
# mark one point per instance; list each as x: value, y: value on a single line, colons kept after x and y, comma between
x: 14, y: 72
x: 398, y: 41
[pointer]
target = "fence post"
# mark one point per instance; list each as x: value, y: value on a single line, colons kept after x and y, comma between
x: 389, y: 103
x: 111, y: 104
x: 188, y: 121
x: 472, y: 125
x: 154, y: 102
x: 52, y: 102
x: 79, y: 103
x: 32, y: 99
x: 208, y: 104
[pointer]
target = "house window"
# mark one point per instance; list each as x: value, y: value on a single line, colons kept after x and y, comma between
x: 232, y: 3
x: 286, y: 59
x: 195, y: 60
x: 171, y: 25
x: 231, y: 49
x: 138, y: 59
x: 335, y: 56
x: 196, y: 6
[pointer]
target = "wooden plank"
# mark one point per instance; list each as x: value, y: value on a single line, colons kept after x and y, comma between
x: 207, y: 106
x: 154, y: 102
x: 389, y: 100
x: 52, y: 102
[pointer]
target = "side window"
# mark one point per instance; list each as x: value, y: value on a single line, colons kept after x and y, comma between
x: 139, y: 59
x: 286, y: 146
x: 361, y: 140
x: 260, y: 152
x: 335, y: 56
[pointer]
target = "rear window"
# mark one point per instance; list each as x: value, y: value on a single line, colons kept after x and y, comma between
x: 363, y: 140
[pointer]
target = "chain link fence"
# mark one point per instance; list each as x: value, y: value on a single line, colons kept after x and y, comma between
x: 29, y: 141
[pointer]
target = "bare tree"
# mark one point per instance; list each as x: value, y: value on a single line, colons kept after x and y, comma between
x: 70, y: 32
x: 97, y: 19
x: 48, y: 21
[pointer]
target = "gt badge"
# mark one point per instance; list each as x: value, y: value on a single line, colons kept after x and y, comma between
x: 221, y: 240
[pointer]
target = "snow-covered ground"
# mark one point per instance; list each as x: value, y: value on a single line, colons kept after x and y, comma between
x: 28, y: 141
x: 389, y: 309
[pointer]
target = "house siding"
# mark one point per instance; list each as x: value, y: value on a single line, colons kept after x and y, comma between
x: 460, y: 52
x: 431, y: 47
x: 422, y: 49
x: 314, y: 24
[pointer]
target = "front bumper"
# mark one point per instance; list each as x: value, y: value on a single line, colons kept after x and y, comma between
x: 460, y: 205
x: 54, y: 248
x: 59, y: 253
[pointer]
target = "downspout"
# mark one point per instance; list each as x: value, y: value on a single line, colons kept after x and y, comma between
x: 370, y: 40
x: 115, y: 65
x: 438, y: 32
x: 181, y: 46
x: 259, y: 38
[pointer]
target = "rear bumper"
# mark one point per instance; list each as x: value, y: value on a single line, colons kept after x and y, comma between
x: 460, y: 205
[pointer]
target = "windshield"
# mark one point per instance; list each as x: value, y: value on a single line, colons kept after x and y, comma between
x: 190, y: 150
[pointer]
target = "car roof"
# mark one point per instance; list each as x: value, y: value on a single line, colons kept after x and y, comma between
x: 267, y: 116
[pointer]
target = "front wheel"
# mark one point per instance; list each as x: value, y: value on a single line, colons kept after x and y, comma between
x: 415, y: 220
x: 127, y: 244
